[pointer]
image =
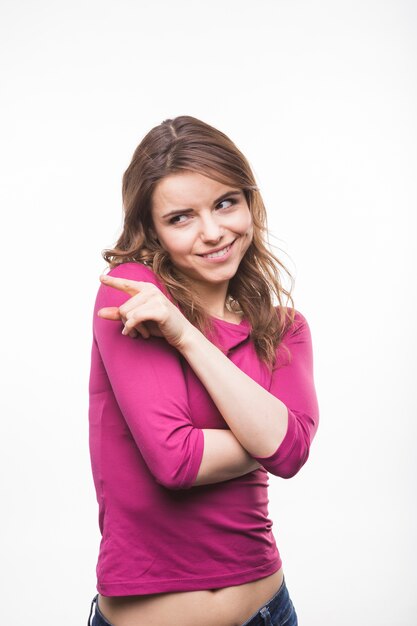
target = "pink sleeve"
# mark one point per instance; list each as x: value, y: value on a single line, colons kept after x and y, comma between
x: 293, y: 383
x: 147, y: 380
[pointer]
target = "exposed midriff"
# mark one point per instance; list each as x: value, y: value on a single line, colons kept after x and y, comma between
x: 226, y: 606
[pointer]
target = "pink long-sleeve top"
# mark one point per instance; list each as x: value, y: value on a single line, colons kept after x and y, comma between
x: 146, y: 414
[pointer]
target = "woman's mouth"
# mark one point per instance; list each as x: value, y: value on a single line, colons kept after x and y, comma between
x: 221, y: 254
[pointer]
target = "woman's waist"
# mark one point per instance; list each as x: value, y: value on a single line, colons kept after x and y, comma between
x: 224, y: 606
x: 130, y: 491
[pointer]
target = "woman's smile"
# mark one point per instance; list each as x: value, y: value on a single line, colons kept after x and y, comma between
x: 221, y: 254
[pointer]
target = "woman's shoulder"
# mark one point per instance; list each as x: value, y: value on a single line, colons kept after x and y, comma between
x: 296, y: 335
x: 134, y: 270
x: 297, y: 325
x: 109, y: 296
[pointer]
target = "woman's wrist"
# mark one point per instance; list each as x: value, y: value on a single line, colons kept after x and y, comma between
x: 188, y: 338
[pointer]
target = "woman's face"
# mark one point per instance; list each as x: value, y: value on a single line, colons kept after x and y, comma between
x: 205, y: 226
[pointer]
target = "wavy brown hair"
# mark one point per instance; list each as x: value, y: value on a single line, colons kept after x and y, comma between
x: 186, y: 143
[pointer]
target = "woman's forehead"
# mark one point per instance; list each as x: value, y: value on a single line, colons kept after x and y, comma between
x: 187, y: 190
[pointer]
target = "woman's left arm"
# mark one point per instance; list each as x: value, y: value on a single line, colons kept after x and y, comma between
x: 277, y: 426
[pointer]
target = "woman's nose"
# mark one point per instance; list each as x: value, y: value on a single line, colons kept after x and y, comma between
x: 210, y: 229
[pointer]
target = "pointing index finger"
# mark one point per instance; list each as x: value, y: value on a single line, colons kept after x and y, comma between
x: 132, y: 287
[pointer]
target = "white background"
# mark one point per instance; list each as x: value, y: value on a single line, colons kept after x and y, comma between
x: 322, y: 99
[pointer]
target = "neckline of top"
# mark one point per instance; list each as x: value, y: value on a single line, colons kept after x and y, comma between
x: 243, y: 321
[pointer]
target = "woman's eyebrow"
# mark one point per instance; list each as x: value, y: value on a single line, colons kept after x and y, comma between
x: 233, y: 192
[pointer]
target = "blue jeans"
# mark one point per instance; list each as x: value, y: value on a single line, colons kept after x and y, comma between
x: 277, y: 611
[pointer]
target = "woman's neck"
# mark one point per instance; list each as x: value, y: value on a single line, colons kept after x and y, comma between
x: 214, y: 298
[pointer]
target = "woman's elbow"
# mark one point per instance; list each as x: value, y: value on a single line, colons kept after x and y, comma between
x: 174, y: 479
x: 293, y: 465
x: 289, y: 465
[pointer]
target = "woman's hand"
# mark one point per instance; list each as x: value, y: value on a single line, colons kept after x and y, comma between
x: 148, y: 311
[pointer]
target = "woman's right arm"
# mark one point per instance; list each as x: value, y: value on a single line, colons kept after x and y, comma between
x: 223, y: 458
x: 148, y: 382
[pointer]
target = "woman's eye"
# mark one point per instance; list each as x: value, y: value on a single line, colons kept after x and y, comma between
x: 177, y: 219
x: 230, y: 200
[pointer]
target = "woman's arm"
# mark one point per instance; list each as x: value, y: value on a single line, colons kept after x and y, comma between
x: 223, y: 458
x: 257, y: 418
x: 275, y: 426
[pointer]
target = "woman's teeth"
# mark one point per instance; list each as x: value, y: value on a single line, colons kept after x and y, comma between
x: 213, y: 255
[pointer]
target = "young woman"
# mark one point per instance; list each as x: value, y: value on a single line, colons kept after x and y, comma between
x: 200, y: 385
